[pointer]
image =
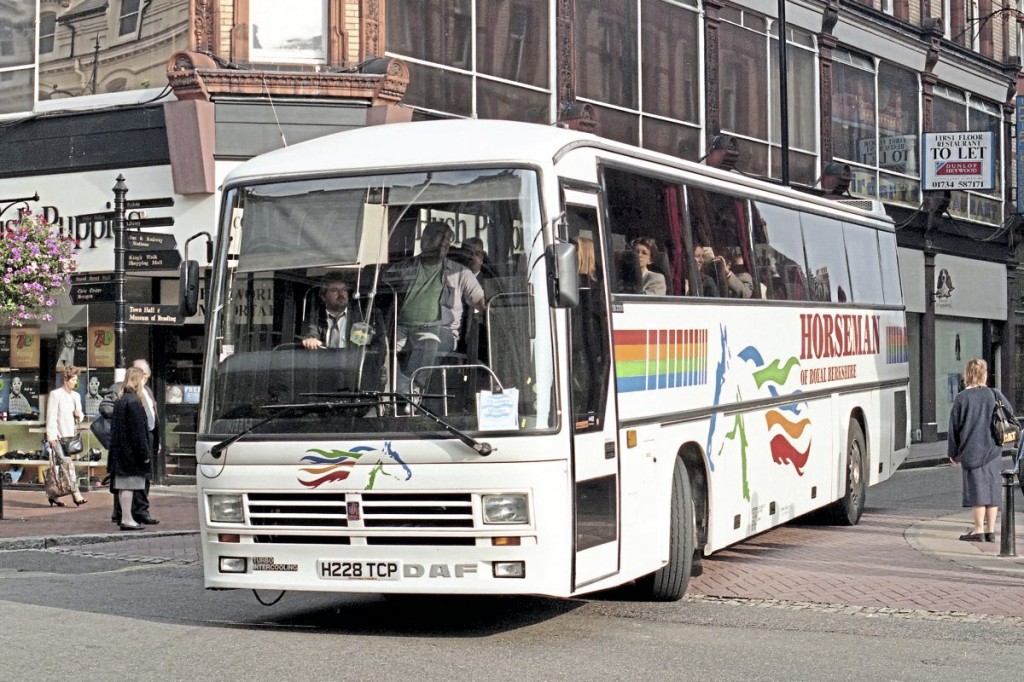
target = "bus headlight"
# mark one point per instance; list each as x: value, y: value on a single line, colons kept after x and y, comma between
x: 226, y: 508
x: 506, y: 509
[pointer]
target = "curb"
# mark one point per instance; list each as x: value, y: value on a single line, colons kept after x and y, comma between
x: 48, y: 541
x: 923, y: 462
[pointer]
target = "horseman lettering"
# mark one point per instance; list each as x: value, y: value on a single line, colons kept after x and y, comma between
x: 837, y: 336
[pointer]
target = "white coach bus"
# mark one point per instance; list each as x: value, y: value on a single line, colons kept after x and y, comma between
x: 671, y: 358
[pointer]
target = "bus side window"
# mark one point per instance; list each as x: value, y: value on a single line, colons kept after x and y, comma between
x: 779, y: 251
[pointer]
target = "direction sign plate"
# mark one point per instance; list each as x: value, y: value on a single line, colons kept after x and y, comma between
x: 153, y: 314
x: 152, y: 260
x: 150, y: 241
x: 98, y: 292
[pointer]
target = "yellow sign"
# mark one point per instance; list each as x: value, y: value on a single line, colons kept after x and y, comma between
x: 101, y: 345
x: 25, y: 347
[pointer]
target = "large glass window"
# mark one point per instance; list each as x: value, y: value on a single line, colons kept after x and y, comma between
x: 876, y: 127
x: 301, y: 243
x: 638, y: 62
x: 749, y: 95
x: 955, y: 110
x: 779, y: 252
x: 487, y: 58
x: 290, y: 32
x: 17, y: 56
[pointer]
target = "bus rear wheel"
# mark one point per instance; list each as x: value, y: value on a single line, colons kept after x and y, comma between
x: 847, y: 510
x: 669, y: 582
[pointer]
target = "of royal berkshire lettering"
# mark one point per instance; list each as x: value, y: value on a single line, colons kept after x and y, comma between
x: 838, y: 336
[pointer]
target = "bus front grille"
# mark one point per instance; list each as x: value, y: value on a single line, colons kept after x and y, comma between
x: 298, y: 510
x: 357, y: 511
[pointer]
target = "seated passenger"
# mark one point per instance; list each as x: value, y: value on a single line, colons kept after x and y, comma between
x: 630, y: 277
x: 432, y: 291
x: 652, y: 283
x: 704, y: 257
x: 736, y: 277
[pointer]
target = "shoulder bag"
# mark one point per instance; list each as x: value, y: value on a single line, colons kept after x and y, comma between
x: 55, y: 479
x: 1005, y: 427
x: 71, y: 445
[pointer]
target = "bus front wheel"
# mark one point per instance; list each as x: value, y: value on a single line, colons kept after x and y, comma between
x: 669, y: 582
x: 847, y: 510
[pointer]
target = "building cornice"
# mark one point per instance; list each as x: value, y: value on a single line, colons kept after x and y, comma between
x: 196, y: 76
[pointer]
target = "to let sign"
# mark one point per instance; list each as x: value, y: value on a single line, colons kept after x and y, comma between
x: 956, y: 161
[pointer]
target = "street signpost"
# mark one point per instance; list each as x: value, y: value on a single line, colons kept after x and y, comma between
x: 139, y: 223
x: 153, y: 314
x: 135, y: 204
x: 92, y: 289
x: 150, y: 241
x: 152, y: 260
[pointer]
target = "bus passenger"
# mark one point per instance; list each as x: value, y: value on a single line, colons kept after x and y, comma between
x: 736, y: 277
x: 652, y: 283
x: 704, y: 256
x: 433, y: 291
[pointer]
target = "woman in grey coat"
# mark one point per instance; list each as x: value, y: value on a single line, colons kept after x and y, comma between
x: 972, y: 446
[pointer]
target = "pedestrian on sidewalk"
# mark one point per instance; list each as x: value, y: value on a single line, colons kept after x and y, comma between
x: 971, y: 445
x: 63, y: 415
x: 130, y: 449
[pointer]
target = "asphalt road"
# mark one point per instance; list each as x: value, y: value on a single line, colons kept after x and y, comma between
x: 72, y: 614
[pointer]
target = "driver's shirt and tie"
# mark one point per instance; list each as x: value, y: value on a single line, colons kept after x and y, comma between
x: 337, y: 328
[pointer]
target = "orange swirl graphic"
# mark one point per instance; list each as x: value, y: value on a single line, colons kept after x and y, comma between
x: 793, y: 429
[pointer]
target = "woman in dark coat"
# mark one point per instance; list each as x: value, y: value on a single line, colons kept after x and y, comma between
x: 130, y: 449
x: 971, y: 445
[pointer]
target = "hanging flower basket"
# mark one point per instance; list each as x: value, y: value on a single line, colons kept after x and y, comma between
x: 36, y: 263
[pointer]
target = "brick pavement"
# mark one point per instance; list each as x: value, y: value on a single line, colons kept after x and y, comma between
x: 891, y: 559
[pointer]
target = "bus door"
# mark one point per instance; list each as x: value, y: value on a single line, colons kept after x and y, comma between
x: 595, y: 462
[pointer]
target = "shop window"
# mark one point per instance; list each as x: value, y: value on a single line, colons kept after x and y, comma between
x: 606, y: 51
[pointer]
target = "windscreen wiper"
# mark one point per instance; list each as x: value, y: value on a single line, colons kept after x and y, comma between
x: 278, y: 412
x: 482, y: 448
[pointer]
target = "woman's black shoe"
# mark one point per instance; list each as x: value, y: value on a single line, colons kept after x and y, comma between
x: 990, y: 537
x: 55, y: 502
x: 972, y: 537
x: 136, y: 527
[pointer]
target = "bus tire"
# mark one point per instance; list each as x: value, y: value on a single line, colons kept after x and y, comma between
x: 669, y: 582
x: 846, y: 511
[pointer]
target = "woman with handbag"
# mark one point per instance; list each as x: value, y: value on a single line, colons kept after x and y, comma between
x: 130, y: 448
x: 970, y: 443
x: 63, y: 415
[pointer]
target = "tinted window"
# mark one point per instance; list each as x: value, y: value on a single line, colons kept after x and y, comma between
x: 827, y: 274
x: 865, y: 269
x: 891, y: 290
x: 779, y: 253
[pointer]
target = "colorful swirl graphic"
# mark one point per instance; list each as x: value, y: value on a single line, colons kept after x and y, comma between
x: 338, y: 464
x: 788, y: 429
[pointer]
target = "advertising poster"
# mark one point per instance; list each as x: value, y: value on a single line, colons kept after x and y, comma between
x: 23, y: 401
x: 95, y: 384
x: 25, y: 347
x: 71, y: 347
x: 5, y: 350
x: 101, y: 345
x: 5, y: 392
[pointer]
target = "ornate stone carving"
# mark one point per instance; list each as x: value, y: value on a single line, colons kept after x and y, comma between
x: 203, y: 26
x: 196, y: 76
x: 712, y: 79
x: 371, y: 29
x: 565, y: 77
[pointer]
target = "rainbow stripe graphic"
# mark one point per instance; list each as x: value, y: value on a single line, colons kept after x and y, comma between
x: 652, y: 359
x: 897, y: 347
x: 336, y: 466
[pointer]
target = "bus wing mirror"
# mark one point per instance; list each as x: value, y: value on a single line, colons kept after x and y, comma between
x: 563, y: 277
x: 188, y: 288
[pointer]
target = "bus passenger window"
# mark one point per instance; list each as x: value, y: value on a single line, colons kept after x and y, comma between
x: 826, y: 258
x: 779, y: 253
